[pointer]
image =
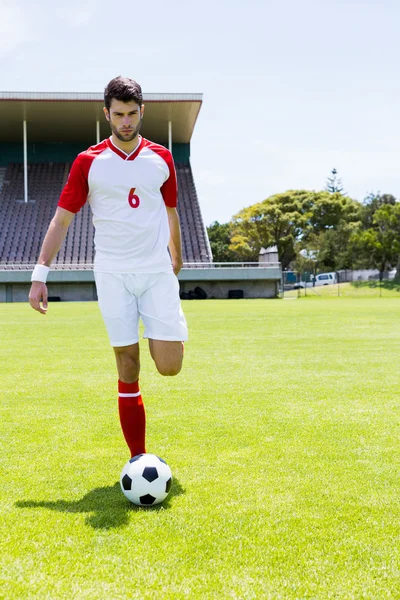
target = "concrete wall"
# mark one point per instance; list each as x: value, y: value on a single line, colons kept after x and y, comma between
x: 220, y: 289
x: 69, y: 292
x: 72, y: 285
x: 18, y: 292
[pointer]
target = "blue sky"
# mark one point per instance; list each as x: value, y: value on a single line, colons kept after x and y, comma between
x: 291, y: 89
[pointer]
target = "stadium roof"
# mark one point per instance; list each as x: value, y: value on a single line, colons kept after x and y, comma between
x: 72, y: 117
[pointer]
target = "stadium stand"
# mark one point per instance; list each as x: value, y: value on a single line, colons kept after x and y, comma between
x: 40, y: 135
x: 24, y: 224
x: 194, y: 235
x: 2, y: 176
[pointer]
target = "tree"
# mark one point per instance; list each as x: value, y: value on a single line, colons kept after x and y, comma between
x: 331, y: 246
x: 379, y: 245
x: 292, y: 221
x: 326, y: 211
x: 279, y: 220
x: 371, y: 204
x: 220, y: 239
x: 334, y: 184
x: 332, y: 219
x: 307, y: 263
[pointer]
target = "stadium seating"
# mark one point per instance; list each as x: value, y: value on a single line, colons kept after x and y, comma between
x: 23, y: 224
x: 194, y: 236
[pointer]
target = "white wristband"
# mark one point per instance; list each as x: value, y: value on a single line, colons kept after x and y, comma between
x: 40, y: 273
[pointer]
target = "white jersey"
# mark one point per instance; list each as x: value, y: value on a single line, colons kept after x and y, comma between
x: 128, y: 195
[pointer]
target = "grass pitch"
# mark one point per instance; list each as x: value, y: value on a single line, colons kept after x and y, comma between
x: 357, y: 289
x: 282, y: 433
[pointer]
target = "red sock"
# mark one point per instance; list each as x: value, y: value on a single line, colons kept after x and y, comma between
x: 132, y: 416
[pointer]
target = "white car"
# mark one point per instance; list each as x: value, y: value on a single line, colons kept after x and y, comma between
x: 320, y: 279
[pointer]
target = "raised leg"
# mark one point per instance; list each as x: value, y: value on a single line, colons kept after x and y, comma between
x: 168, y: 356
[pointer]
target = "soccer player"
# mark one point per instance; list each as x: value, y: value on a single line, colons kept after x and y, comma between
x: 130, y: 184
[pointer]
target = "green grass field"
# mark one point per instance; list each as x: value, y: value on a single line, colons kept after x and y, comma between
x: 282, y: 433
x: 357, y: 289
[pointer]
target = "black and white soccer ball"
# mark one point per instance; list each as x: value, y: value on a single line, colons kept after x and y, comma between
x: 146, y: 480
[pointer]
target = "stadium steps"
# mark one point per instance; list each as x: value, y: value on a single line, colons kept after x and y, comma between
x: 2, y: 176
x: 195, y: 244
x: 23, y: 225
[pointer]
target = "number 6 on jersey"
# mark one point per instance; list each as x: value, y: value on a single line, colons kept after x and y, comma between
x: 133, y: 199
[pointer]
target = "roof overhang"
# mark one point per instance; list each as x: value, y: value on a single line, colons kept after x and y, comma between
x: 72, y: 117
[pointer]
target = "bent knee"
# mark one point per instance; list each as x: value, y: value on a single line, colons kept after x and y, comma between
x: 169, y: 369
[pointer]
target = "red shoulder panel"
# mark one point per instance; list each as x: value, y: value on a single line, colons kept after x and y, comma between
x: 75, y: 192
x: 169, y: 188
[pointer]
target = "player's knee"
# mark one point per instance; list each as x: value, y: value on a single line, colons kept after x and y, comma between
x: 169, y: 369
x: 128, y: 365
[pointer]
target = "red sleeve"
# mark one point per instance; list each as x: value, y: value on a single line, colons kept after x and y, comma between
x: 169, y: 188
x: 75, y: 192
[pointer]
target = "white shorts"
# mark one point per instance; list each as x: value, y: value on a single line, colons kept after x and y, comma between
x: 124, y: 298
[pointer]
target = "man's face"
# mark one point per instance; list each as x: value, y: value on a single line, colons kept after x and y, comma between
x: 125, y: 119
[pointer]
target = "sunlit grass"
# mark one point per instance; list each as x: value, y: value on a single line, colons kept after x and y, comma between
x: 356, y: 289
x: 281, y: 431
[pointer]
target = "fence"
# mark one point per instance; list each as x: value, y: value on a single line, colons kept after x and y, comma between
x: 187, y: 265
x: 296, y: 285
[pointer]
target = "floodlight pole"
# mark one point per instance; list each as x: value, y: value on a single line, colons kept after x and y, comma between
x: 170, y: 136
x: 97, y: 131
x: 25, y: 163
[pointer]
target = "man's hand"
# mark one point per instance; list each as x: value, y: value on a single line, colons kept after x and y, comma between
x: 37, y: 295
x: 51, y: 244
x: 177, y: 265
x: 175, y: 244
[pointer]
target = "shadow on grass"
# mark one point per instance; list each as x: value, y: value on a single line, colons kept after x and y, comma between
x: 107, y: 507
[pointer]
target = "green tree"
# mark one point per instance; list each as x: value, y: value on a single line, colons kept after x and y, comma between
x: 293, y: 221
x: 379, y: 245
x: 327, y: 211
x: 220, y: 238
x: 279, y: 220
x: 332, y: 219
x: 371, y: 204
x: 332, y: 246
x: 334, y: 184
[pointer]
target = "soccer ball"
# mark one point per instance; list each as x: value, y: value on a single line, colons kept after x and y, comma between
x: 146, y: 480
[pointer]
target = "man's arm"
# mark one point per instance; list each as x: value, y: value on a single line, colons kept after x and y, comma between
x: 51, y: 245
x: 175, y: 244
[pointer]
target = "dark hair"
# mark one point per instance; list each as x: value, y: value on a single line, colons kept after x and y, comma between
x: 123, y: 89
